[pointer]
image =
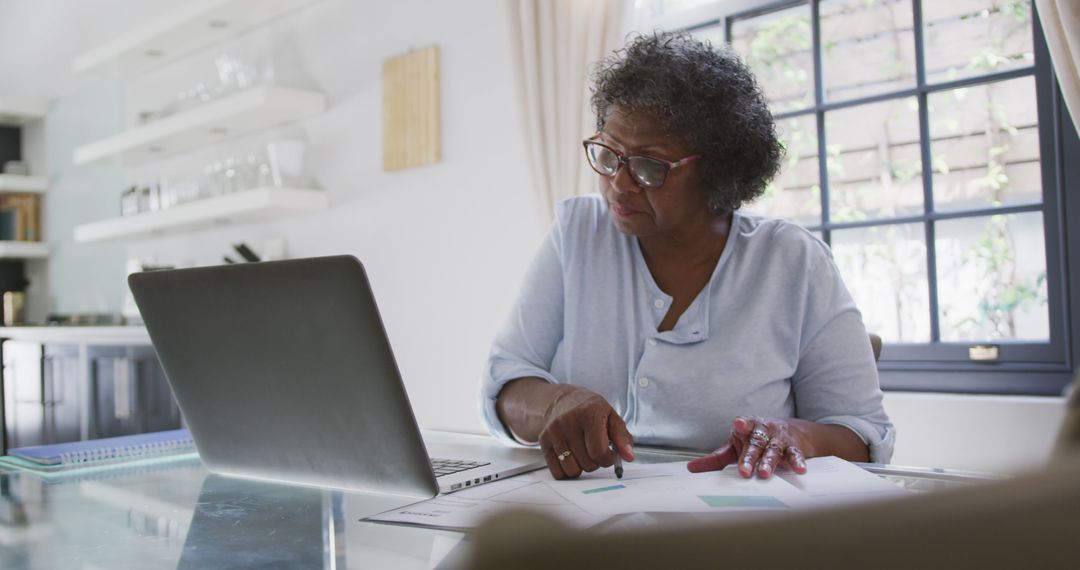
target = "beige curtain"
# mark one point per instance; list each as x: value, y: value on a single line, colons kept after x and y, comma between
x: 556, y: 43
x: 1061, y: 23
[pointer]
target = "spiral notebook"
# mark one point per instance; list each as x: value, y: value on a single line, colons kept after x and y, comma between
x: 126, y: 447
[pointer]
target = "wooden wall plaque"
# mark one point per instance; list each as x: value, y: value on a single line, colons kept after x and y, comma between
x: 411, y: 134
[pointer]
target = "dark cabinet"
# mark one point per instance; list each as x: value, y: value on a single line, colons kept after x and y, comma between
x: 41, y: 393
x: 55, y: 393
x: 128, y: 391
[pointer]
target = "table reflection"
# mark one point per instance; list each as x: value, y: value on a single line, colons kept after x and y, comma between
x: 238, y: 524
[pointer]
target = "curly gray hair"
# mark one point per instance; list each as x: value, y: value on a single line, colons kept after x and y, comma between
x: 703, y: 95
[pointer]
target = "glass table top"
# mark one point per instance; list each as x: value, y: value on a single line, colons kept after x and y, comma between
x: 173, y: 513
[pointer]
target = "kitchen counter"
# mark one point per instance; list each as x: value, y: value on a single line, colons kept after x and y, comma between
x: 102, y: 335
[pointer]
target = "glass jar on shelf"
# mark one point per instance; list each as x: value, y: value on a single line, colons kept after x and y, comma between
x: 285, y: 159
x: 129, y: 201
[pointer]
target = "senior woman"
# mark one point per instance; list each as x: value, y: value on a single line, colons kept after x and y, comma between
x: 658, y: 313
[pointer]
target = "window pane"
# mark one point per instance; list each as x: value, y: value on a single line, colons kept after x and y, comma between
x: 992, y: 278
x: 868, y: 47
x: 874, y: 161
x: 795, y: 193
x: 985, y: 145
x: 712, y: 34
x: 661, y: 7
x: 778, y: 48
x: 884, y: 267
x: 973, y: 37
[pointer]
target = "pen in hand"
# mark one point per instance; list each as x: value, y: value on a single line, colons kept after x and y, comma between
x: 618, y: 463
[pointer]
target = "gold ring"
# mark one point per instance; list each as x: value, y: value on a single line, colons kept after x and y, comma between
x: 562, y: 456
x: 764, y: 437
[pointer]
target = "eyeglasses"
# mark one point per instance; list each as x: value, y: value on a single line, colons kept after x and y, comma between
x: 647, y: 171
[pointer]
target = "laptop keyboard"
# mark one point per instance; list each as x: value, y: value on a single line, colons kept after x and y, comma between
x: 451, y: 466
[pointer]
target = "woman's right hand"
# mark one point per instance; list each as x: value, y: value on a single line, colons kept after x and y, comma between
x: 582, y: 423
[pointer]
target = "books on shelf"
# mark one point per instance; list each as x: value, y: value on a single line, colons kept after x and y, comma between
x: 20, y: 217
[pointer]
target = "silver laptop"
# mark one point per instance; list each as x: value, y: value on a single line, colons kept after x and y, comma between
x: 284, y: 373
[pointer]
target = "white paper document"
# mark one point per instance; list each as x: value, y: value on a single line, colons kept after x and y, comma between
x: 678, y: 491
x: 671, y: 488
x: 657, y: 488
x: 831, y: 480
x: 467, y: 509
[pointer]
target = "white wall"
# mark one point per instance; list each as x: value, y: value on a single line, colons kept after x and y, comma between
x: 445, y: 245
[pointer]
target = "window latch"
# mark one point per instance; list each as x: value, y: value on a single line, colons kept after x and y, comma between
x: 984, y: 352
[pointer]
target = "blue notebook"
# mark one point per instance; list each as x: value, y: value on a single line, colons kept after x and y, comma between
x: 109, y: 449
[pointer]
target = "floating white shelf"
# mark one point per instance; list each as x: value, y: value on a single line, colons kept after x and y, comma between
x: 78, y: 334
x: 244, y: 112
x: 193, y: 25
x: 23, y: 250
x: 17, y: 112
x: 15, y: 183
x: 249, y: 205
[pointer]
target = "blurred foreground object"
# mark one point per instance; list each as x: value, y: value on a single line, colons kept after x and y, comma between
x: 1018, y: 523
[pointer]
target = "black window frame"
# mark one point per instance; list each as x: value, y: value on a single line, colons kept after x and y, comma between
x: 1029, y: 368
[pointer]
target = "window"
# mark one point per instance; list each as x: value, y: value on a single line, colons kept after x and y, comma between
x: 924, y: 145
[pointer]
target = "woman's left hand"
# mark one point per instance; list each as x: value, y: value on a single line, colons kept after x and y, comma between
x: 760, y: 445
